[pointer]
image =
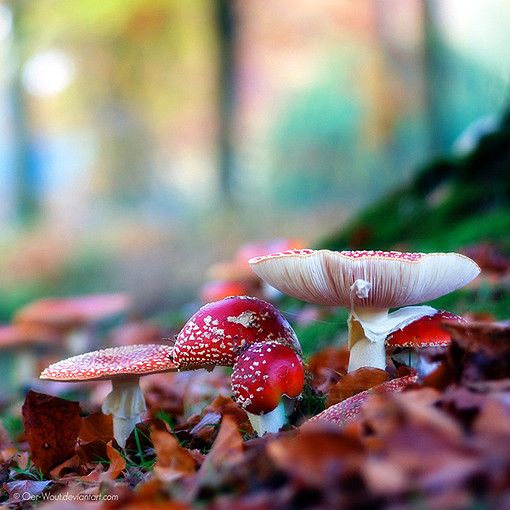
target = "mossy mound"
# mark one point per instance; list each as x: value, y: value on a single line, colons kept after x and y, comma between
x: 451, y: 203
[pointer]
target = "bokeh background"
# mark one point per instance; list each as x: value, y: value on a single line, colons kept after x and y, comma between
x: 142, y: 141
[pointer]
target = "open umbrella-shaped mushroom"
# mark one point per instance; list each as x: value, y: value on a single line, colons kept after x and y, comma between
x: 80, y: 319
x: 368, y: 283
x: 217, y: 333
x: 123, y: 366
x: 266, y: 380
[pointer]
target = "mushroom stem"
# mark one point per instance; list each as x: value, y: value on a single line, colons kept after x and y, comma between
x: 368, y: 329
x: 274, y: 420
x: 126, y: 404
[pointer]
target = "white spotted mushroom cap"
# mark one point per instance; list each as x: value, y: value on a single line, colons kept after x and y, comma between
x: 355, y: 279
x: 114, y: 362
x: 264, y: 373
x: 219, y: 332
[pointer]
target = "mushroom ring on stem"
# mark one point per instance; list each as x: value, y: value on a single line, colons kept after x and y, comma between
x: 123, y: 366
x: 217, y: 333
x: 266, y: 380
x: 368, y: 283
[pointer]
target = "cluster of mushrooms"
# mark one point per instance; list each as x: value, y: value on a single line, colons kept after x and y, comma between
x: 254, y: 338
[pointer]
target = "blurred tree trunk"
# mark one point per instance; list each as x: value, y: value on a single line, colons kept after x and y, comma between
x: 24, y: 167
x: 436, y: 77
x: 225, y: 19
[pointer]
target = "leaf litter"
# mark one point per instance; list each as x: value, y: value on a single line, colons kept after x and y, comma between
x: 442, y: 442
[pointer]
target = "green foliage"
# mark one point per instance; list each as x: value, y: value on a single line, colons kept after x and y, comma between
x: 320, y: 333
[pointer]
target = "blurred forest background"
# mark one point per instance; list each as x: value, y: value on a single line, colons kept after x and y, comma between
x: 142, y: 141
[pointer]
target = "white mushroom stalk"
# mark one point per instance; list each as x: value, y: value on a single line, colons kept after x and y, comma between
x: 368, y: 284
x: 126, y: 404
x: 272, y: 421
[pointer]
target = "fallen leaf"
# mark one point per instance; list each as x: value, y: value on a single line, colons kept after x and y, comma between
x: 140, y: 437
x: 226, y: 406
x: 318, y: 453
x: 207, y: 426
x: 96, y: 426
x: 51, y: 426
x: 172, y: 461
x: 355, y: 382
x: 116, y: 464
x: 22, y: 490
x: 227, y: 447
x: 327, y: 366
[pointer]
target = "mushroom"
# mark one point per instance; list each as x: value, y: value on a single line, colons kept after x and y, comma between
x: 347, y: 410
x: 21, y: 350
x: 368, y: 283
x: 78, y: 318
x: 266, y: 380
x: 123, y: 366
x: 417, y: 344
x: 217, y: 333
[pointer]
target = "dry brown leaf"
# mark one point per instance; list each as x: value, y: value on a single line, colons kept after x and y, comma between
x: 96, y: 426
x: 73, y: 466
x: 227, y: 447
x: 172, y: 461
x: 207, y: 426
x: 51, y: 425
x: 327, y: 366
x: 355, y: 382
x: 226, y: 406
x: 140, y: 438
x: 116, y: 464
x: 317, y: 453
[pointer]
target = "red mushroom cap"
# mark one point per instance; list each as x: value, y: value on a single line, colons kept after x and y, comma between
x: 72, y: 312
x: 113, y: 362
x: 424, y: 332
x: 216, y: 290
x: 264, y: 373
x: 220, y: 331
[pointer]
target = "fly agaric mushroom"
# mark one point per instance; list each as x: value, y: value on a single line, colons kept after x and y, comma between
x: 78, y: 319
x: 347, y: 410
x: 219, y: 331
x: 419, y: 337
x: 266, y: 379
x: 368, y: 283
x: 123, y: 366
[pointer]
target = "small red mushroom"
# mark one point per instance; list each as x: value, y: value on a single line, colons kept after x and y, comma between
x: 266, y: 379
x: 418, y: 337
x: 123, y: 366
x: 220, y: 331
